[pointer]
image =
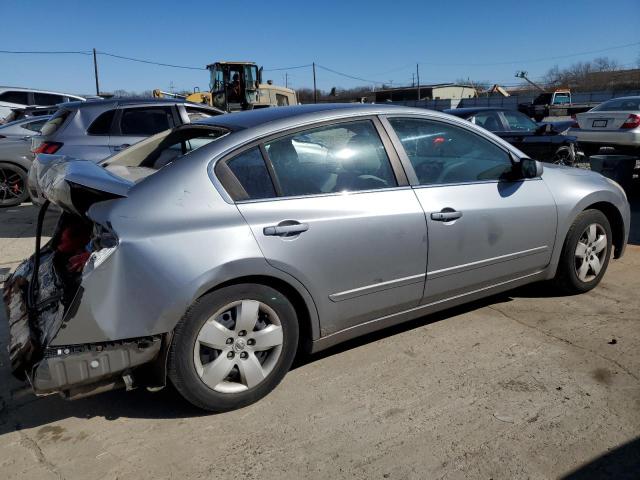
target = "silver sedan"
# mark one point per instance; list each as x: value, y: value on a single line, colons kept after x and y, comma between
x: 208, y: 255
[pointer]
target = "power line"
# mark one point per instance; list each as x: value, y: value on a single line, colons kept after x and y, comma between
x: 51, y: 52
x: 287, y: 68
x: 150, y: 62
x: 509, y: 62
x: 353, y: 77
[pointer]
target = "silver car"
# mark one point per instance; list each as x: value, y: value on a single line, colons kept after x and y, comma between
x: 25, y: 128
x: 614, y: 123
x: 97, y: 129
x: 210, y: 254
x: 15, y: 161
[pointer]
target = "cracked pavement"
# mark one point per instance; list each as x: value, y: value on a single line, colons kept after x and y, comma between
x: 521, y: 385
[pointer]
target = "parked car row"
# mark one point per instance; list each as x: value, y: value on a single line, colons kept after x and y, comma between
x: 543, y: 141
x: 91, y: 130
x: 17, y: 98
x: 208, y: 254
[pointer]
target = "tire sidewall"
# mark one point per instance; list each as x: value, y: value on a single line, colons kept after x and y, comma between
x: 569, y: 273
x: 182, y: 371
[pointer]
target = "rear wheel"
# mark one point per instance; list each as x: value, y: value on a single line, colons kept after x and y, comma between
x: 13, y: 185
x: 233, y: 346
x: 585, y: 254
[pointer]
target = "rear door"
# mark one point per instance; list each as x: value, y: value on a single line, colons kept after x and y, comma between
x: 343, y: 222
x: 483, y: 228
x: 133, y: 124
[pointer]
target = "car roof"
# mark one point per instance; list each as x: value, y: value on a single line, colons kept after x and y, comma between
x: 467, y: 110
x: 132, y: 101
x: 36, y: 90
x: 295, y: 113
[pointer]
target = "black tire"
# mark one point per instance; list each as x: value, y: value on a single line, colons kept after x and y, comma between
x: 566, y: 279
x: 181, y: 364
x: 13, y: 185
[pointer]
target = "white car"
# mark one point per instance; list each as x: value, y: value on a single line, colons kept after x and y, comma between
x: 614, y: 123
x: 16, y: 97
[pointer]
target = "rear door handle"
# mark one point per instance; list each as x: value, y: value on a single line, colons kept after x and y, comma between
x: 446, y: 215
x: 285, y: 230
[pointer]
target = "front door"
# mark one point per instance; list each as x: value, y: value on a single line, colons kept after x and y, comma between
x: 483, y: 228
x: 341, y: 224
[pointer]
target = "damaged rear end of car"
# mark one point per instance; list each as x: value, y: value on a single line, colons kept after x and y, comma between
x: 45, y: 290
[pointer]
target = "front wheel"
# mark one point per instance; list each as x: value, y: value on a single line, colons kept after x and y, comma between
x: 233, y: 346
x: 13, y: 185
x: 585, y: 253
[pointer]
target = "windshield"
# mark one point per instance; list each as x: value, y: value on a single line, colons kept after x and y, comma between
x: 619, y: 105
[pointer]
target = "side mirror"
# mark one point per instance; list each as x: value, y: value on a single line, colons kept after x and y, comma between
x: 526, y: 167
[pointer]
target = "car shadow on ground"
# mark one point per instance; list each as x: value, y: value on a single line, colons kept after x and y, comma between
x: 621, y: 463
x: 21, y: 221
x: 20, y: 409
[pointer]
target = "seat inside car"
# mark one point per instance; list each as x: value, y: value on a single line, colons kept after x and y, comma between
x: 292, y: 176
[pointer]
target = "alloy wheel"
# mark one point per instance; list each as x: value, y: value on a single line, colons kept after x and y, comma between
x: 591, y: 252
x: 238, y: 346
x: 12, y: 186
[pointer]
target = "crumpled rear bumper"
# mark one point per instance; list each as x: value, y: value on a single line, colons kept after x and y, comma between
x: 63, y: 368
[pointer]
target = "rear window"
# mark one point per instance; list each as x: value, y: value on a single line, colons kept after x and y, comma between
x: 55, y: 122
x: 619, y: 105
x: 15, y: 97
x: 102, y: 124
x: 34, y: 126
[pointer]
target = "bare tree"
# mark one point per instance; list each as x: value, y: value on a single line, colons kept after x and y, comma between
x: 601, y: 73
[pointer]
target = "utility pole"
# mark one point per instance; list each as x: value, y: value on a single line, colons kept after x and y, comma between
x: 95, y: 71
x: 418, y: 78
x: 286, y: 80
x: 413, y: 79
x: 315, y: 91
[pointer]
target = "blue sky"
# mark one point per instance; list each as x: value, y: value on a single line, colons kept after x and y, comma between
x: 378, y: 41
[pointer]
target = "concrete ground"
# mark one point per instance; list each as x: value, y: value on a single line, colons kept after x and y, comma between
x: 521, y: 385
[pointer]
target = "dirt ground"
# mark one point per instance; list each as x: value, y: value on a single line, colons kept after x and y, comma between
x: 521, y: 385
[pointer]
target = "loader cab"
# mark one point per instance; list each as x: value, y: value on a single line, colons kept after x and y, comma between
x: 234, y: 85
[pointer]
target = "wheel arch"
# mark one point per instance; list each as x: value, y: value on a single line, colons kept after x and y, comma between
x: 617, y: 224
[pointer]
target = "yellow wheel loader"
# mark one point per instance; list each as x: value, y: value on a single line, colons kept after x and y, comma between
x: 236, y: 86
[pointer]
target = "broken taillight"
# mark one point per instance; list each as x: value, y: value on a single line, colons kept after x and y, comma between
x: 632, y: 121
x: 48, y: 147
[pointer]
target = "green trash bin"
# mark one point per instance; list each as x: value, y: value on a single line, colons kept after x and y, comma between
x: 616, y: 167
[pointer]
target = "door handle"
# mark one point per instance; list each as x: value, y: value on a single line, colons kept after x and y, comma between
x: 285, y: 230
x: 119, y: 148
x: 446, y: 215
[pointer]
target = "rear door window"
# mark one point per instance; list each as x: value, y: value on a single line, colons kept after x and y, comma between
x: 44, y: 99
x: 21, y: 98
x: 146, y: 121
x: 102, y: 124
x: 251, y: 172
x: 489, y: 120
